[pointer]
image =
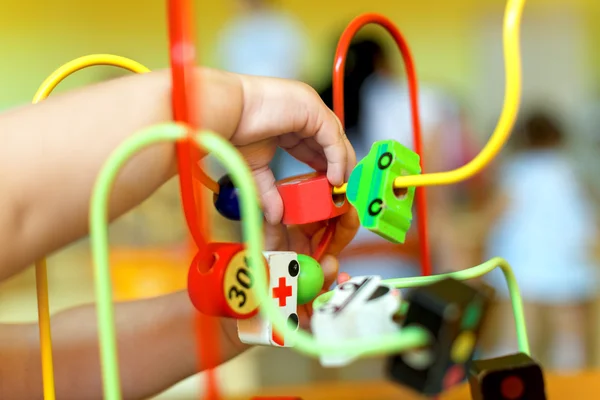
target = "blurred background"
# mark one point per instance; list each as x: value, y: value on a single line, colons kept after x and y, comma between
x: 541, y: 194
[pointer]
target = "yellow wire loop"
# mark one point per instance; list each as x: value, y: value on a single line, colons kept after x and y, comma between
x: 83, y: 62
x: 512, y: 99
x: 40, y: 266
x: 41, y: 286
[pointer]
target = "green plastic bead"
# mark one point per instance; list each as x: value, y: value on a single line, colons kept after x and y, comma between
x: 381, y: 209
x: 310, y: 279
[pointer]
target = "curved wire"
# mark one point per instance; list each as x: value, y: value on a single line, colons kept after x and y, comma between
x: 470, y: 273
x: 338, y: 107
x: 252, y: 232
x: 45, y: 331
x: 80, y: 63
x: 182, y: 55
x: 99, y: 244
x: 304, y: 342
x: 512, y: 98
x: 41, y: 273
x: 241, y: 175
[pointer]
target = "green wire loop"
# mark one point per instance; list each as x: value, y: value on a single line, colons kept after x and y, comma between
x: 408, y: 339
x: 471, y: 273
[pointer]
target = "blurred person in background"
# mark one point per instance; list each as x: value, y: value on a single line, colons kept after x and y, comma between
x: 263, y: 40
x: 543, y: 223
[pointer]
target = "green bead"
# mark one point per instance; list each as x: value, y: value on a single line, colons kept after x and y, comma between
x: 381, y: 208
x: 310, y: 279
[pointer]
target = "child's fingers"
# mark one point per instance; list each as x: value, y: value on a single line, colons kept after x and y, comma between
x: 347, y: 226
x: 332, y: 138
x: 276, y: 107
x: 342, y: 277
x: 351, y: 154
x: 330, y: 266
x: 276, y: 238
x: 302, y: 151
x: 269, y: 196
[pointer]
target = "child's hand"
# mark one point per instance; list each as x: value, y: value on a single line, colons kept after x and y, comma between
x: 255, y: 114
x: 268, y: 113
x: 305, y: 238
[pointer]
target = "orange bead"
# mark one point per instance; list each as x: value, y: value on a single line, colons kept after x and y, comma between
x: 220, y: 283
x: 309, y: 198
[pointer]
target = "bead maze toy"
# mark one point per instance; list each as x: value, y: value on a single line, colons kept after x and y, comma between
x: 429, y: 337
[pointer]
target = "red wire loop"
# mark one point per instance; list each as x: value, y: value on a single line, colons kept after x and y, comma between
x: 338, y: 107
x: 185, y: 110
x: 182, y: 57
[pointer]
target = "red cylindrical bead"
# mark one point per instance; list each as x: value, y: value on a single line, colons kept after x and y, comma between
x: 225, y: 287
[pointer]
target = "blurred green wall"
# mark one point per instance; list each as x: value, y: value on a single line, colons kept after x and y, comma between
x: 39, y: 35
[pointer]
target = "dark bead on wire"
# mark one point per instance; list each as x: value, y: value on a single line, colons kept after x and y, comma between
x: 227, y: 200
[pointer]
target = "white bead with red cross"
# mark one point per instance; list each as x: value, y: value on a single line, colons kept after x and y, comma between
x: 284, y: 270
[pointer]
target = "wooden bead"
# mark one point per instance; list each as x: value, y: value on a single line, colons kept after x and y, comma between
x: 309, y: 198
x: 381, y: 208
x: 226, y: 201
x: 283, y: 291
x: 223, y: 288
x: 515, y: 376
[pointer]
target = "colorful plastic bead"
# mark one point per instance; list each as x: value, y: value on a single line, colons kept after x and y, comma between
x: 309, y: 198
x: 514, y: 376
x: 452, y: 313
x: 223, y: 288
x: 382, y: 208
x: 226, y: 201
x: 360, y: 308
x: 283, y: 292
x: 310, y: 280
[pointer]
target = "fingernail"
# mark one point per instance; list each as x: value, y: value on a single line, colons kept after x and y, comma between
x: 343, y: 277
x: 336, y: 178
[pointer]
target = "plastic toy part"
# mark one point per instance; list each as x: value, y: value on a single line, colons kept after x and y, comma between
x: 308, y: 198
x: 512, y: 377
x: 283, y: 289
x: 382, y: 208
x: 453, y: 313
x: 226, y: 201
x: 360, y: 307
x: 310, y: 279
x: 223, y: 288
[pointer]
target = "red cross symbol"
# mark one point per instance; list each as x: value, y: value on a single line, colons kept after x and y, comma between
x: 282, y: 292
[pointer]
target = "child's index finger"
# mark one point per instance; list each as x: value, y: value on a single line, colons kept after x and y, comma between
x: 331, y: 137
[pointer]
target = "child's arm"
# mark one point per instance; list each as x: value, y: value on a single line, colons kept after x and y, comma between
x: 156, y: 337
x: 157, y: 348
x: 52, y: 152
